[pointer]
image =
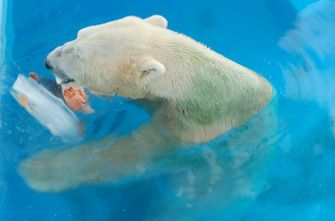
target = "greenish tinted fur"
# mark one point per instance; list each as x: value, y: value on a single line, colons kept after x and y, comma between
x: 213, y: 101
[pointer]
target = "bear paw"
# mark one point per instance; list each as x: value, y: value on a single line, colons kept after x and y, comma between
x: 56, y: 171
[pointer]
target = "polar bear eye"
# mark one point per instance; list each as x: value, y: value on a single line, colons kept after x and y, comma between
x: 78, y: 52
x: 68, y: 50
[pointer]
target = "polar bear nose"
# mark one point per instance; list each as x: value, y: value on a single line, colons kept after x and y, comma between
x: 47, y: 63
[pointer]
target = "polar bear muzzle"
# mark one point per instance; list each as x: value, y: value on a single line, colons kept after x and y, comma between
x: 61, y: 77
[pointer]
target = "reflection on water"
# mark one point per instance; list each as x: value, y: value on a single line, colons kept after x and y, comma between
x: 249, y: 172
x: 310, y: 76
x: 301, y: 183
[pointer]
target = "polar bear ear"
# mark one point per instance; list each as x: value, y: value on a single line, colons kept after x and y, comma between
x: 157, y: 20
x: 149, y: 68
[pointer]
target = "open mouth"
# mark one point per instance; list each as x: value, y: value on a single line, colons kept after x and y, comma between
x: 64, y: 80
x: 67, y: 81
x: 61, y: 77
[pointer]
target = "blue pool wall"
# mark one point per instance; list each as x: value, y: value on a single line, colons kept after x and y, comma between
x: 247, y: 32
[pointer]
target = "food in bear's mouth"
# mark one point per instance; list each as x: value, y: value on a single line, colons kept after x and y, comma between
x: 70, y: 92
x: 76, y: 99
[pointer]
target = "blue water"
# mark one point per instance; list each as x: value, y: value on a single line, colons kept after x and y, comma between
x: 288, y: 42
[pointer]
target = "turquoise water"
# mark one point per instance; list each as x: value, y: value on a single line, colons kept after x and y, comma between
x: 288, y: 42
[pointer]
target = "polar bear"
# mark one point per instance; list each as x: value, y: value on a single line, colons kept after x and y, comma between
x: 197, y: 95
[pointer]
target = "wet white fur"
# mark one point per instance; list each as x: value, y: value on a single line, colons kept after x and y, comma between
x: 199, y: 95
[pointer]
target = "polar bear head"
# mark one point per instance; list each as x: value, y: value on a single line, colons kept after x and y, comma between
x: 120, y: 57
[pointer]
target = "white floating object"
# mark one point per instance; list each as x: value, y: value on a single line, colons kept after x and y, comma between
x: 48, y: 109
